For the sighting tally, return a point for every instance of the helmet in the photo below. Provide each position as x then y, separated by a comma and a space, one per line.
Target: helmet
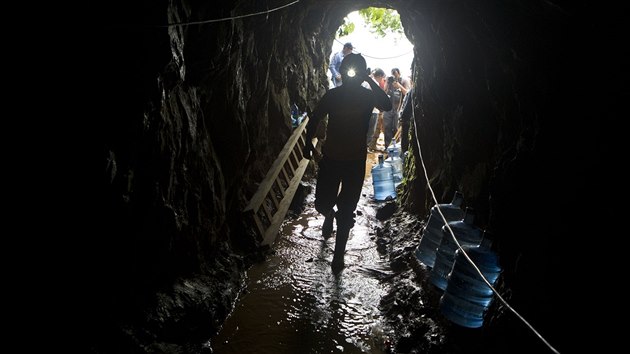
352, 69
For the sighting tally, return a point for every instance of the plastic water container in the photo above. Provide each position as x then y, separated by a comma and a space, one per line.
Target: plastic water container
466, 234
467, 296
397, 166
295, 111
393, 157
432, 233
296, 117
393, 149
383, 180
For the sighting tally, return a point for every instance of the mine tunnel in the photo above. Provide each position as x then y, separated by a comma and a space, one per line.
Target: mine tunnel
516, 105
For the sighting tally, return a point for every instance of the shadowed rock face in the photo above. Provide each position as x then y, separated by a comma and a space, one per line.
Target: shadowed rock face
514, 107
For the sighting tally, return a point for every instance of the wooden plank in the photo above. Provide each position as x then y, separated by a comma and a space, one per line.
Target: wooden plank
264, 221
274, 198
268, 212
257, 222
280, 187
278, 218
279, 174
276, 167
294, 160
287, 179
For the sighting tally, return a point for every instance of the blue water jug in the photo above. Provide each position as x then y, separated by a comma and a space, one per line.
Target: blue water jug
432, 233
397, 167
383, 180
466, 234
295, 115
467, 296
393, 149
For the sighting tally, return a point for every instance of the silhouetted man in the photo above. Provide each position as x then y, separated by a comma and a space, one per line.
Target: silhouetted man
349, 108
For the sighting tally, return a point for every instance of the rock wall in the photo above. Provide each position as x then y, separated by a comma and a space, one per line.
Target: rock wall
510, 112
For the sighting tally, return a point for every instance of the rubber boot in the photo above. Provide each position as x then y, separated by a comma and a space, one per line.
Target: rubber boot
340, 249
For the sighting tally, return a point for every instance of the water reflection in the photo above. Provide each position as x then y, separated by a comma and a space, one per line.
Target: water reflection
295, 304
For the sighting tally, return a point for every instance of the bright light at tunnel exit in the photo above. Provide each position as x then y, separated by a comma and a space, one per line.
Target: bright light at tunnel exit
399, 49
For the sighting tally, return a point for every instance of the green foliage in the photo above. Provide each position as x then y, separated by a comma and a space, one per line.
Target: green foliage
382, 21
346, 28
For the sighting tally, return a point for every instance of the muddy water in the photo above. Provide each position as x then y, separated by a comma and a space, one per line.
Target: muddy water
293, 302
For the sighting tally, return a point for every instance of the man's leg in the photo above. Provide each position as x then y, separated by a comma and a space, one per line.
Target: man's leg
341, 239
327, 226
328, 179
352, 183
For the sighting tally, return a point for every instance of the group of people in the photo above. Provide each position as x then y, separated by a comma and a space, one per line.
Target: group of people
396, 87
353, 106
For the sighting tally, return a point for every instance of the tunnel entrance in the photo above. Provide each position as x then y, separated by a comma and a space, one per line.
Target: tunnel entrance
377, 34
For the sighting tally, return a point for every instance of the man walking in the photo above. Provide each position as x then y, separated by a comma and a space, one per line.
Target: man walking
342, 167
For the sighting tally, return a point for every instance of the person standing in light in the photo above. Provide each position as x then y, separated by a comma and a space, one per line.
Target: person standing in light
372, 135
396, 88
335, 63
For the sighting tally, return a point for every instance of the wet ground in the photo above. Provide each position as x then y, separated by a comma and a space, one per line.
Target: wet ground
294, 303
380, 303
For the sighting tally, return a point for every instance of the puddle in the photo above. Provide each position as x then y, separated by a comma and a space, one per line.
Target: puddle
293, 302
